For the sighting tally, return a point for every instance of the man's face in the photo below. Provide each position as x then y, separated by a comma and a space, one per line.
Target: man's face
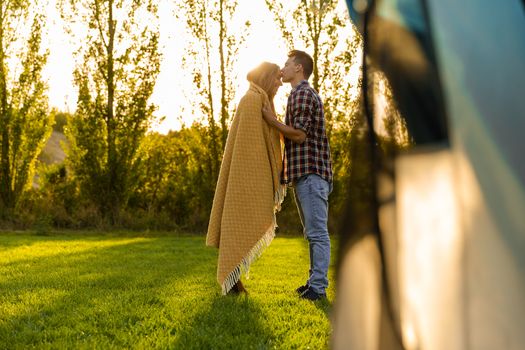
290, 70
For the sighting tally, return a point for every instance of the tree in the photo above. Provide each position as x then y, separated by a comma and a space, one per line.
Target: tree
320, 28
174, 179
211, 56
117, 67
24, 120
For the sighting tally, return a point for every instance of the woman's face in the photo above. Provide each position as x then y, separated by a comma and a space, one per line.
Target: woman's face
277, 82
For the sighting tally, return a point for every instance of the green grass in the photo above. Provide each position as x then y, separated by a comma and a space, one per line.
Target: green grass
126, 291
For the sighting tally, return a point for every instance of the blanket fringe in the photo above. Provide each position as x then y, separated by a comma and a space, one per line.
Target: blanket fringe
279, 197
258, 248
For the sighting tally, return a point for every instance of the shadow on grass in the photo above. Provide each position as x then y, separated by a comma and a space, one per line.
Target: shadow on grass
300, 261
136, 292
227, 322
108, 296
325, 306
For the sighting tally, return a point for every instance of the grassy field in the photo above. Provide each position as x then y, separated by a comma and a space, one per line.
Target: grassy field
106, 291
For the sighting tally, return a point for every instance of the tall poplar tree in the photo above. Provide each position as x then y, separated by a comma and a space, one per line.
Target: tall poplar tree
117, 67
320, 28
25, 124
211, 55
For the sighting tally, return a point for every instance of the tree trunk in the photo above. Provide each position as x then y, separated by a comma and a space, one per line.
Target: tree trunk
6, 192
316, 33
113, 189
224, 102
214, 146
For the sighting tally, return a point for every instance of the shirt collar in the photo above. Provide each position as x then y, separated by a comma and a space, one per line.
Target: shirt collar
303, 82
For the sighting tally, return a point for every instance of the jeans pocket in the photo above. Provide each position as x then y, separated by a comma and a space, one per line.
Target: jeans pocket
320, 185
303, 179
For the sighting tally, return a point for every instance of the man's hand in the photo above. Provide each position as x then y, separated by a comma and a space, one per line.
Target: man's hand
296, 135
268, 114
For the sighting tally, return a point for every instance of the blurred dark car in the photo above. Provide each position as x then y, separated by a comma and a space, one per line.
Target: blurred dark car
444, 265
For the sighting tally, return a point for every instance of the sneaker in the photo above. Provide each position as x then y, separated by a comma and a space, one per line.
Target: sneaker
310, 294
302, 289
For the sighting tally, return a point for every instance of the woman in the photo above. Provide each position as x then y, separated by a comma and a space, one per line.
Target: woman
248, 193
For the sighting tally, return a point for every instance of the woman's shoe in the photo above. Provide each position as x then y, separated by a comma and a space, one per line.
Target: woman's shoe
238, 288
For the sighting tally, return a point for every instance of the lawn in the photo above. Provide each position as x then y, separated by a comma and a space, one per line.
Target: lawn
136, 291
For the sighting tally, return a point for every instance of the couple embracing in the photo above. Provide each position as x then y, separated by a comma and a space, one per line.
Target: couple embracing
254, 175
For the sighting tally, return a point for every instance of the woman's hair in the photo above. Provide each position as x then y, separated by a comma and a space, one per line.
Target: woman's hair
264, 76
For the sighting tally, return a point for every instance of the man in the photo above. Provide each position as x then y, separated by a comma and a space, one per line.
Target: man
307, 166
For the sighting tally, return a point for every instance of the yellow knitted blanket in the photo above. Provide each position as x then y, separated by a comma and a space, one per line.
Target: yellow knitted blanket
248, 193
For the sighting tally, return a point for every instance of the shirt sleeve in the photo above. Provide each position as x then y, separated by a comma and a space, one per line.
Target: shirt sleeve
303, 111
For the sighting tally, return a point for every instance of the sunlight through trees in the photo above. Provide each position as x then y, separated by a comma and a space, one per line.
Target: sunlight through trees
119, 172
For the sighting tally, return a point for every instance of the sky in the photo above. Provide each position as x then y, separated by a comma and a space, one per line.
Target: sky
264, 44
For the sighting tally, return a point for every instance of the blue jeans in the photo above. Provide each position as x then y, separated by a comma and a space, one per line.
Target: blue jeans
311, 196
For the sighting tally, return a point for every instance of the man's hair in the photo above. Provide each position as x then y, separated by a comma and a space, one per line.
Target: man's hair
304, 59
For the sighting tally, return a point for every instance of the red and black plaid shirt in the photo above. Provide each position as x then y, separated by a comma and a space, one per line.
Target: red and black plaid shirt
305, 111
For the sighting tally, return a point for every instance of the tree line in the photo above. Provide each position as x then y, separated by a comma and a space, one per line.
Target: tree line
117, 173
